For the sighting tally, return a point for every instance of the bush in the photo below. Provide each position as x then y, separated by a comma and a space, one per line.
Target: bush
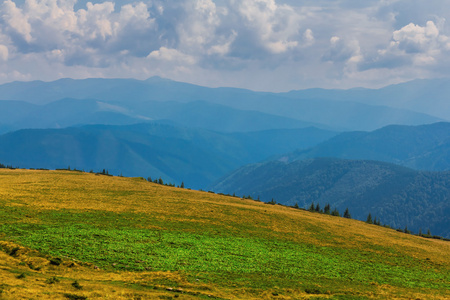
74, 297
52, 280
272, 202
335, 213
316, 291
76, 285
56, 261
13, 251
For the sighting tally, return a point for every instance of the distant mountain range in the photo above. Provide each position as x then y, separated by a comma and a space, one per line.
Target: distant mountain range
430, 96
191, 105
77, 112
183, 132
363, 181
425, 147
398, 196
196, 156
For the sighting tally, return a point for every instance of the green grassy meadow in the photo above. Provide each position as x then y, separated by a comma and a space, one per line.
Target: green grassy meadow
126, 238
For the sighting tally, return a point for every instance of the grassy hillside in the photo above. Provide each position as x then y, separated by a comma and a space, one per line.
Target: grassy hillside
126, 238
399, 196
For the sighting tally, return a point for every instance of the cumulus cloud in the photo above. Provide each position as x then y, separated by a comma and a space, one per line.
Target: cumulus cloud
16, 21
273, 27
342, 50
308, 37
171, 55
95, 22
414, 38
288, 44
49, 25
414, 45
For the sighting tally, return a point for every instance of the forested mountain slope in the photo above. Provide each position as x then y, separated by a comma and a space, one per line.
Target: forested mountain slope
196, 156
423, 147
398, 196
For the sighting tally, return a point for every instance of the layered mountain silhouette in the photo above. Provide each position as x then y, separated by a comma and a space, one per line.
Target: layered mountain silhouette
149, 99
424, 147
422, 95
195, 156
356, 170
326, 146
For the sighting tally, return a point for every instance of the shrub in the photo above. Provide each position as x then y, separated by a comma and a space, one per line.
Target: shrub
347, 214
74, 297
52, 280
76, 285
13, 251
336, 213
56, 261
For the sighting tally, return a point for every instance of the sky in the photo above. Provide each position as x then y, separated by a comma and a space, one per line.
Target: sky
263, 45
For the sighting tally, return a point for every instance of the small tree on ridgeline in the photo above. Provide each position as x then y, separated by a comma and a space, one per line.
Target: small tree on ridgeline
327, 209
312, 208
317, 207
377, 221
335, 213
406, 230
272, 202
369, 219
182, 185
347, 214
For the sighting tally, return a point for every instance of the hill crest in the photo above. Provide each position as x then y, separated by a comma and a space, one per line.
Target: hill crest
189, 242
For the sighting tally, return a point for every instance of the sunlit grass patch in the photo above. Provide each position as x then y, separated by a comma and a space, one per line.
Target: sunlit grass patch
207, 243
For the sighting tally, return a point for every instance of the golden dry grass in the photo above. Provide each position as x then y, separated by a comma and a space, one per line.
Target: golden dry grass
180, 210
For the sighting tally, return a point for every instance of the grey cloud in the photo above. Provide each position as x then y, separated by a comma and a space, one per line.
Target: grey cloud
389, 61
413, 45
341, 50
195, 40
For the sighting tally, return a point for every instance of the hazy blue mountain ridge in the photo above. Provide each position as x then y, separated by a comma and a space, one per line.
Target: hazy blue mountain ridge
430, 96
138, 96
196, 156
423, 147
77, 112
184, 132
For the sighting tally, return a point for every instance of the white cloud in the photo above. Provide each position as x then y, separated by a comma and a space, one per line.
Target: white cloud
223, 45
276, 27
4, 53
198, 28
95, 22
308, 37
342, 50
285, 44
16, 20
415, 45
171, 55
414, 38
